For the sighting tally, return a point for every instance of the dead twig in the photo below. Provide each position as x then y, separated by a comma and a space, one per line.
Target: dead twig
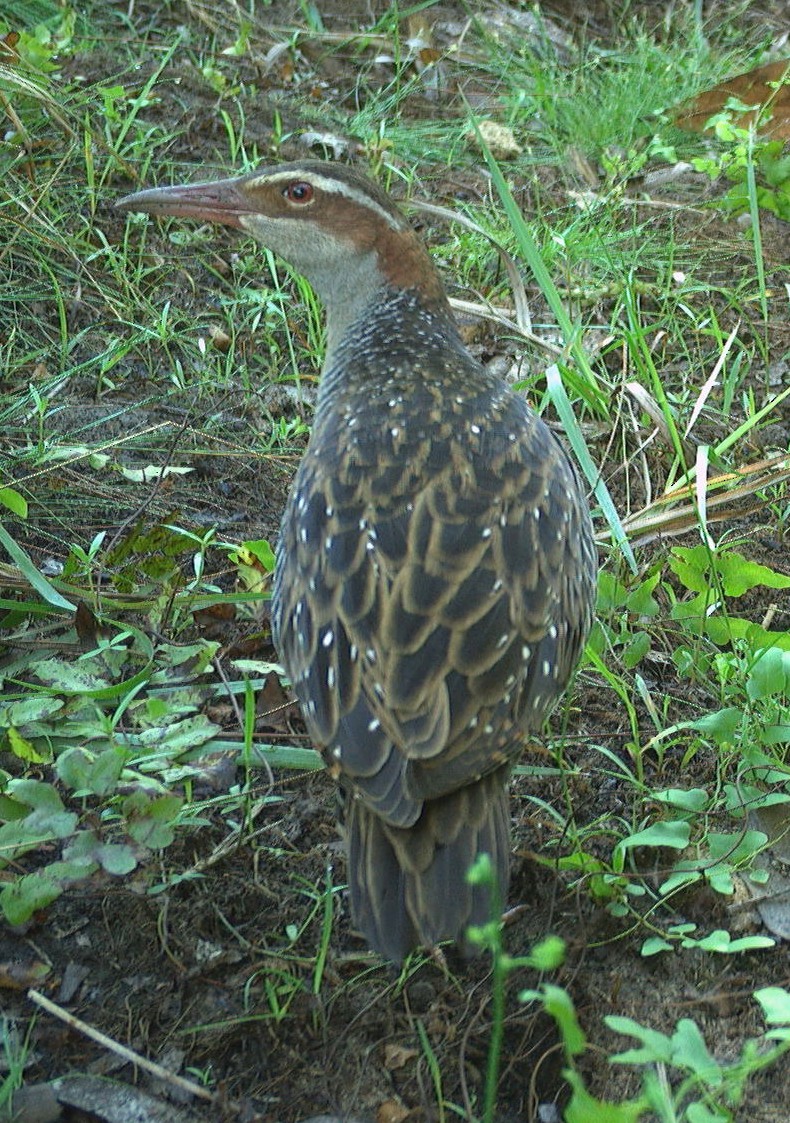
122, 1050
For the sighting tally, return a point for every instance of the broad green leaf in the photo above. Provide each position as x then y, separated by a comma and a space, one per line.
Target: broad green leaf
261, 550
722, 725
549, 954
656, 1047
179, 737
199, 654
27, 894
116, 858
24, 750
690, 565
84, 771
687, 873
724, 631
735, 847
36, 794
739, 574
612, 594
38, 707
769, 674
690, 1052
743, 795
12, 809
720, 941
68, 678
776, 735
150, 821
79, 678
694, 614
71, 869
635, 649
82, 846
674, 833
689, 799
653, 946
641, 600
775, 1003
559, 1004
584, 1108
698, 1113
20, 835
16, 503
720, 880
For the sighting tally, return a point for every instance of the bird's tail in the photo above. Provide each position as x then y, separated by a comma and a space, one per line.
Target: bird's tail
408, 885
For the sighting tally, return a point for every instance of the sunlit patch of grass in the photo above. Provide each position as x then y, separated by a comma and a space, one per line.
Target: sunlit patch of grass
609, 95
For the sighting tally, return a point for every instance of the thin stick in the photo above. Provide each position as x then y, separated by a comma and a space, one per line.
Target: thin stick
121, 1050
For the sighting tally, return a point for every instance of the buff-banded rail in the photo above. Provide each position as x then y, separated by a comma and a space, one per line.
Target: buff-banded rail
436, 569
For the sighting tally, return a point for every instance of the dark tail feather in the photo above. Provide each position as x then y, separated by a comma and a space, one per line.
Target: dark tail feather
408, 885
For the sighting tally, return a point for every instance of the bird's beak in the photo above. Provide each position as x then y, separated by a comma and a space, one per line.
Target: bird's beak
223, 201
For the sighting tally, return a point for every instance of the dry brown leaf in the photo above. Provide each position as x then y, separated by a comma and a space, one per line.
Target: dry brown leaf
396, 1056
766, 89
8, 52
391, 1111
499, 139
214, 620
273, 706
19, 976
220, 340
773, 898
86, 626
420, 37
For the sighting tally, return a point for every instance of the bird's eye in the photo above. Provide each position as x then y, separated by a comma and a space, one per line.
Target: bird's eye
299, 192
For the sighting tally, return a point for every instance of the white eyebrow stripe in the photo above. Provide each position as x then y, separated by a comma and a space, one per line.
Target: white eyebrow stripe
331, 187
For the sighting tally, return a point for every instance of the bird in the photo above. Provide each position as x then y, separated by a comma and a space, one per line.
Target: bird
435, 570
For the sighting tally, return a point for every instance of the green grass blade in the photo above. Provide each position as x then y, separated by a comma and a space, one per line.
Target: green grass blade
594, 396
32, 575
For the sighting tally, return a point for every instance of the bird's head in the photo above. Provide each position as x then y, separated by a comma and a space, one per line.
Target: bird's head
333, 224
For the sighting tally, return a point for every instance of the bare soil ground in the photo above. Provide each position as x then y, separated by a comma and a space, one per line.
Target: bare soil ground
206, 977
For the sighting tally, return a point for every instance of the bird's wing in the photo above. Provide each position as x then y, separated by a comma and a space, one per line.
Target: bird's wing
424, 612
